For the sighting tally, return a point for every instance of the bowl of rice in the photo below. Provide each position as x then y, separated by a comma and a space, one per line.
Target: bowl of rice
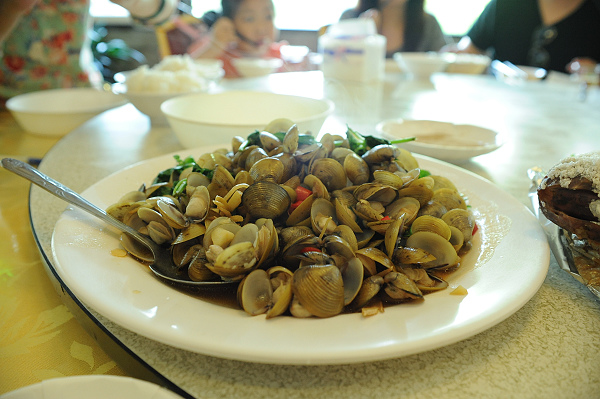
148, 87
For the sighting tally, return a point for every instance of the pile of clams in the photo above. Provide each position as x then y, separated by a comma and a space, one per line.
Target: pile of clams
308, 228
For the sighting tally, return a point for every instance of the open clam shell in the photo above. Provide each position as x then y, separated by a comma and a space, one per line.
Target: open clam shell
444, 252
320, 289
265, 199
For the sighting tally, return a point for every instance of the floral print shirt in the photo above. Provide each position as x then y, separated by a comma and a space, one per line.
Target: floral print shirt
48, 49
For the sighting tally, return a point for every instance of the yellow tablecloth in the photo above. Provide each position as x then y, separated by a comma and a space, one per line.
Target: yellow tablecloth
39, 337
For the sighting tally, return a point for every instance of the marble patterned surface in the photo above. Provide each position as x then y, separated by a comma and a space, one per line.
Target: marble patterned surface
549, 348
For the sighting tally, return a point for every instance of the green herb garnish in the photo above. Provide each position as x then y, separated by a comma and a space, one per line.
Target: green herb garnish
171, 175
303, 139
253, 139
179, 187
424, 173
361, 144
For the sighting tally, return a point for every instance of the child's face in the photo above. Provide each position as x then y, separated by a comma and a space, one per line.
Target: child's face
254, 23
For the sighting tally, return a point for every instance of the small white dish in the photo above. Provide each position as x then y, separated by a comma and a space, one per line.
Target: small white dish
421, 65
441, 140
55, 112
474, 64
91, 387
253, 67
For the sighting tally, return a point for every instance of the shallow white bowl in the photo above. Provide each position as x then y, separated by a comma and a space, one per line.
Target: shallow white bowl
252, 67
441, 140
204, 119
467, 63
56, 112
94, 386
421, 65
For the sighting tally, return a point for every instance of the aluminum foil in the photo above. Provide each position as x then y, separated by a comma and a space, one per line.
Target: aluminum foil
556, 237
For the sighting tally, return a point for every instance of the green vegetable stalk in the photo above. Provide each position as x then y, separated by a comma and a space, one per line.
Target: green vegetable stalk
361, 144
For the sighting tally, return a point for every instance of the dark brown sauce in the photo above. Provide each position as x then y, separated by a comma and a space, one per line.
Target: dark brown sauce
226, 295
221, 295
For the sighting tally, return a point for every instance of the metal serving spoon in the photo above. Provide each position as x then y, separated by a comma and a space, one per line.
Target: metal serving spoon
162, 266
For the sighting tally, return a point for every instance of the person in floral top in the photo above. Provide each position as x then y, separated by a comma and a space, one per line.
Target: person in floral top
45, 43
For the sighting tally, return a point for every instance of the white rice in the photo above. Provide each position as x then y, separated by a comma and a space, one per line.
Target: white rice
174, 74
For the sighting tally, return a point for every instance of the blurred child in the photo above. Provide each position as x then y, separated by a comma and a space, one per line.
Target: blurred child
245, 28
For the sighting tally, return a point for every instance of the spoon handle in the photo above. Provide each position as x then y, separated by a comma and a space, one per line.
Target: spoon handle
65, 193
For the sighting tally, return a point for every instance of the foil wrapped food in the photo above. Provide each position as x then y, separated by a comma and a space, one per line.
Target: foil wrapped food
573, 254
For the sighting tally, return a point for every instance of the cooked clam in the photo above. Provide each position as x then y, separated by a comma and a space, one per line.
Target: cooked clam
462, 220
255, 293
436, 245
323, 217
432, 224
330, 172
264, 199
233, 261
281, 283
356, 169
399, 287
449, 198
267, 169
320, 289
351, 232
368, 290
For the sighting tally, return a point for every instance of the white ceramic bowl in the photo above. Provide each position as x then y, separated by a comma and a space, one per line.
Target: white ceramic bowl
56, 112
467, 63
148, 103
147, 97
253, 67
204, 119
421, 65
441, 140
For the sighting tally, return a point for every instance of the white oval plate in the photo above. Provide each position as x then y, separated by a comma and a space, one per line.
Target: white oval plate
441, 140
505, 268
91, 387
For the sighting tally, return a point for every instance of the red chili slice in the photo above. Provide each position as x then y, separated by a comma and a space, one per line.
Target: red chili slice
294, 206
302, 193
310, 249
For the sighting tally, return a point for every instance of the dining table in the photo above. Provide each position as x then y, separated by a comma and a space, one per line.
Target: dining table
549, 346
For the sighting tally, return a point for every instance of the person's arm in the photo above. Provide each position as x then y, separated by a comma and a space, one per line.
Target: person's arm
11, 12
480, 36
464, 46
149, 12
348, 14
222, 38
434, 38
